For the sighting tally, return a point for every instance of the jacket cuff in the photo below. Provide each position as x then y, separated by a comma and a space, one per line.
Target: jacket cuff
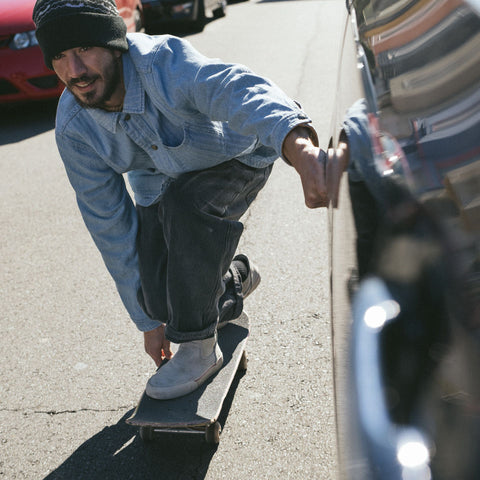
146, 324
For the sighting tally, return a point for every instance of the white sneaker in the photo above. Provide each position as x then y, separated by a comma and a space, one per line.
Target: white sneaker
193, 363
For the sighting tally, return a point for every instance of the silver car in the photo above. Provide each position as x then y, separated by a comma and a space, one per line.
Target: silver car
405, 241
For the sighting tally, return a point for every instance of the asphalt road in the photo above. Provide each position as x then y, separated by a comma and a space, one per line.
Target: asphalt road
73, 365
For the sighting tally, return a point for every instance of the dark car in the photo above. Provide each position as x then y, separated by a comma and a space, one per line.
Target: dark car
405, 238
23, 74
162, 15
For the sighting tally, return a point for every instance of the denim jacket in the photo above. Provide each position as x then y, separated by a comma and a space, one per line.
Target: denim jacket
182, 112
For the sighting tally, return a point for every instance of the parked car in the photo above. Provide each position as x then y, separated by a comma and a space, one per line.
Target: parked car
23, 75
405, 238
161, 15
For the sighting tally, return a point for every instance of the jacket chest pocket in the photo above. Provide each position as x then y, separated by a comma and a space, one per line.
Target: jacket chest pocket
200, 146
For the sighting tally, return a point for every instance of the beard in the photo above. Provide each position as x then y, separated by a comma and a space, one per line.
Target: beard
112, 78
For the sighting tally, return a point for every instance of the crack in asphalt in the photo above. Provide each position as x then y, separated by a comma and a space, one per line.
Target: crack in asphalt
65, 412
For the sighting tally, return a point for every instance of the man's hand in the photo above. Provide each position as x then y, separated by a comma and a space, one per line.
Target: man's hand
337, 163
320, 171
156, 345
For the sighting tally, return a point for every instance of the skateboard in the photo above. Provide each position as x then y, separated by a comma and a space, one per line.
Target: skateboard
197, 412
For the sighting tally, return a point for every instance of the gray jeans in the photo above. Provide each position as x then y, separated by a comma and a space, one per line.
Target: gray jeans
186, 243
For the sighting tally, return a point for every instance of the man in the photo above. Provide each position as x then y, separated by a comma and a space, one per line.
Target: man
198, 139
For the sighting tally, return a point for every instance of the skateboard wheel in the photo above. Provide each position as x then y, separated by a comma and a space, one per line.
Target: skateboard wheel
146, 434
212, 433
243, 362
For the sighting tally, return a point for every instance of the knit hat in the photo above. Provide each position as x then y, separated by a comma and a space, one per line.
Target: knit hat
65, 24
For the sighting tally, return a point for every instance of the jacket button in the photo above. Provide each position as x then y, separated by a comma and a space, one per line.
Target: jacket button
127, 116
154, 147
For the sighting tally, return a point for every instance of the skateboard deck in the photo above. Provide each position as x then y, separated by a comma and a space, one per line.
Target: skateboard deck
198, 411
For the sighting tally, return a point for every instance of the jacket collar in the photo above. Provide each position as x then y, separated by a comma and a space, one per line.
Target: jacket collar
134, 101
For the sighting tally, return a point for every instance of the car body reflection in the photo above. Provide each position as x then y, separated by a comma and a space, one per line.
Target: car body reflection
407, 232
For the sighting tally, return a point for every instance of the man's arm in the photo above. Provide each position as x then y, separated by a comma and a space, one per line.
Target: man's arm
224, 92
110, 217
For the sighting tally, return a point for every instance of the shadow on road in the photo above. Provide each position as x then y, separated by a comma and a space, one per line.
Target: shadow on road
19, 122
118, 453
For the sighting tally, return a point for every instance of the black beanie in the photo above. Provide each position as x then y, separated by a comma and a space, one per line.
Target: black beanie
65, 24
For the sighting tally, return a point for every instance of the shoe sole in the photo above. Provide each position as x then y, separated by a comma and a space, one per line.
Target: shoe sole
256, 278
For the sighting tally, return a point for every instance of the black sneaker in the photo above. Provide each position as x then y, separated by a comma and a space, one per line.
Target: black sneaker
249, 284
253, 275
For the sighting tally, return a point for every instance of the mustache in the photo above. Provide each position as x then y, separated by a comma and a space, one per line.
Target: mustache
83, 79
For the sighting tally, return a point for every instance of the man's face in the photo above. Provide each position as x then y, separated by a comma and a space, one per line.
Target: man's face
93, 75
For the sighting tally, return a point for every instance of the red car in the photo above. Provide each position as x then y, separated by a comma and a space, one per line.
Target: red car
23, 75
